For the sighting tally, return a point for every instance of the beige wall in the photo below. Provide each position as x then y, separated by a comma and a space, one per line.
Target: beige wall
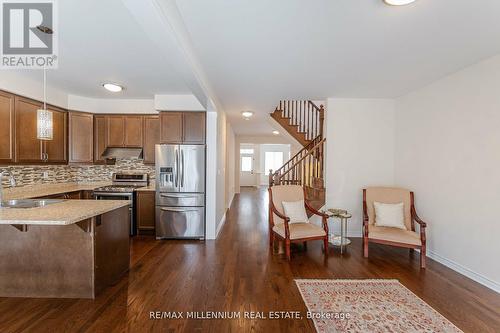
230, 164
448, 152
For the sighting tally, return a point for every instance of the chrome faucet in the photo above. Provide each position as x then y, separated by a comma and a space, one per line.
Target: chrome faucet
11, 179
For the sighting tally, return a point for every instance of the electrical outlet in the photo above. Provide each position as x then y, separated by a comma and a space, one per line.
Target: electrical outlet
45, 175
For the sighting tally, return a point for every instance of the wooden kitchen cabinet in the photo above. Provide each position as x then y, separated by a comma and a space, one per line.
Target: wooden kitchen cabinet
100, 135
115, 131
182, 127
193, 127
171, 127
6, 128
133, 131
81, 137
145, 212
28, 147
56, 149
151, 138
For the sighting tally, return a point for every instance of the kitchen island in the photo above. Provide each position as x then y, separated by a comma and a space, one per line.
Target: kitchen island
67, 249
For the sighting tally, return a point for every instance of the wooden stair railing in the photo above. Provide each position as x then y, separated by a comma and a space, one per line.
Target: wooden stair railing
302, 169
301, 119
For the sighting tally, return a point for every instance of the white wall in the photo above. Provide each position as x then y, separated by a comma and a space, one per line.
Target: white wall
448, 152
230, 164
359, 153
111, 105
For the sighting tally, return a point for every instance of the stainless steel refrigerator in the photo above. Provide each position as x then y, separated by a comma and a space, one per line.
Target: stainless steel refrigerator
180, 191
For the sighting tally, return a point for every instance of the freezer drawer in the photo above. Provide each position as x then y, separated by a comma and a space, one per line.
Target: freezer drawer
180, 199
180, 222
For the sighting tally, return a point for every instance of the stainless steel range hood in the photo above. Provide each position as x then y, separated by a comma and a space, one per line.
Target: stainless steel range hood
122, 153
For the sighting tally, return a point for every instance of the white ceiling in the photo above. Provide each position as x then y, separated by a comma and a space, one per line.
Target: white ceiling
100, 41
256, 52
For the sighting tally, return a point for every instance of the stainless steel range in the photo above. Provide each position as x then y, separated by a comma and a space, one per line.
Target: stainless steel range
123, 188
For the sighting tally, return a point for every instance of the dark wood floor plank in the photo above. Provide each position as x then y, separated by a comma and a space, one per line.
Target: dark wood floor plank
239, 272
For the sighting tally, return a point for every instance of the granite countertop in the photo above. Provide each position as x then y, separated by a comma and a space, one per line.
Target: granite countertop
151, 187
62, 213
42, 190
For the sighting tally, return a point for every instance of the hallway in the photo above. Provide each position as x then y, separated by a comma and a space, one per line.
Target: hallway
238, 272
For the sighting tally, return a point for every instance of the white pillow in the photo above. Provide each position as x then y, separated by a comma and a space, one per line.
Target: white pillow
296, 211
389, 215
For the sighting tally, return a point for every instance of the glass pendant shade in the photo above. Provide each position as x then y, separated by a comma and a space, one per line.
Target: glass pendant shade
44, 124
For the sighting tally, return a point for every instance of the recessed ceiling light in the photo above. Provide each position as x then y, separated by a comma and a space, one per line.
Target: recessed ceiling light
398, 2
247, 114
276, 133
112, 87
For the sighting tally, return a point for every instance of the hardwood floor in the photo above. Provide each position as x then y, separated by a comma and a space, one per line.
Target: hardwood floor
238, 272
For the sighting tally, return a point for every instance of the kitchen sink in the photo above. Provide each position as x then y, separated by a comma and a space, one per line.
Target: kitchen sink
29, 203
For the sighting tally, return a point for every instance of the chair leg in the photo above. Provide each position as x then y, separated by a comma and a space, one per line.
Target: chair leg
287, 249
422, 256
365, 247
271, 238
305, 245
325, 245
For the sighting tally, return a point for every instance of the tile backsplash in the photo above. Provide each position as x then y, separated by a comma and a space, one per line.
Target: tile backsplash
33, 174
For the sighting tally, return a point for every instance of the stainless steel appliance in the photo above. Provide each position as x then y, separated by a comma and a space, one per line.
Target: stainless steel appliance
123, 188
180, 191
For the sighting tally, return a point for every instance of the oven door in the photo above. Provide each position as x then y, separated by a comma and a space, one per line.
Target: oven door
121, 196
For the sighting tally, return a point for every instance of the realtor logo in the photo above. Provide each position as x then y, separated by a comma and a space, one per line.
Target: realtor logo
29, 34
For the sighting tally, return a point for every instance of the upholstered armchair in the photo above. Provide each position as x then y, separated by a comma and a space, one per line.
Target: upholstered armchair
280, 226
408, 238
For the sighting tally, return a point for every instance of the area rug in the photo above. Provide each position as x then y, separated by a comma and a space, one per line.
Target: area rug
369, 306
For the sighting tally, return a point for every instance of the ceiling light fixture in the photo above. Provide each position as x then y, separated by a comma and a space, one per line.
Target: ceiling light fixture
398, 2
247, 114
276, 132
112, 87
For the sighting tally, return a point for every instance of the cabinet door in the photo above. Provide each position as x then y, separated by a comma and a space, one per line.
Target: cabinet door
6, 128
116, 131
56, 149
194, 127
133, 131
81, 132
151, 138
171, 127
100, 135
28, 147
145, 210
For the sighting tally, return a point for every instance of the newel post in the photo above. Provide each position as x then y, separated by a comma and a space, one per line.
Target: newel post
271, 180
321, 119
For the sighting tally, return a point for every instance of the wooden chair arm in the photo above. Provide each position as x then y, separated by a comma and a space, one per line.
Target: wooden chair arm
416, 218
284, 218
314, 211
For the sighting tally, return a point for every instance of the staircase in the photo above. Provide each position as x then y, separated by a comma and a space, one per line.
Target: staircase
303, 120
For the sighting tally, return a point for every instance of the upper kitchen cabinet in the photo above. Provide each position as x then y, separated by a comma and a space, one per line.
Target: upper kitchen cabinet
81, 132
56, 150
28, 147
124, 131
182, 127
134, 131
194, 127
100, 136
151, 137
6, 128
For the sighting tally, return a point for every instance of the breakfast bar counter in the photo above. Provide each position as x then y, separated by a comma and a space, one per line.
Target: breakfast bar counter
66, 249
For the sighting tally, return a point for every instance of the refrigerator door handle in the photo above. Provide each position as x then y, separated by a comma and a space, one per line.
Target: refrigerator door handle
177, 196
176, 168
182, 161
178, 210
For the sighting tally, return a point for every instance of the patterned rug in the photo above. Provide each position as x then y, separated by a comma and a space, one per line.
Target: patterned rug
369, 306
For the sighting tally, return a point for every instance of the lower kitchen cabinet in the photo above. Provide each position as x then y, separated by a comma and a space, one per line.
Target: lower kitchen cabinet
145, 212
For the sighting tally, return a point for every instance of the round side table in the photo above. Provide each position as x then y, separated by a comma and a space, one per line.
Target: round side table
341, 240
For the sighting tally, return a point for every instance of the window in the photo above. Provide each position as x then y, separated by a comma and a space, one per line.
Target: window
246, 163
273, 160
248, 151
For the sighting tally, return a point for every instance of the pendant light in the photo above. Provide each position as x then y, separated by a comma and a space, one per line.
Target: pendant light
44, 121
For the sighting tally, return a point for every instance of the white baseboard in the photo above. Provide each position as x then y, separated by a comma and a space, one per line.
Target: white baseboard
221, 224
495, 286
